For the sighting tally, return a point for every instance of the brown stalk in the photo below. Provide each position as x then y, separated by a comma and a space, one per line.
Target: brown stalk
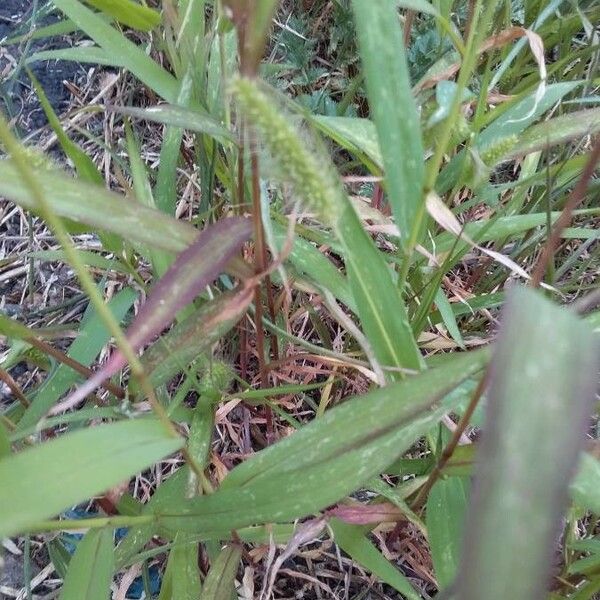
243, 325
61, 357
452, 444
408, 21
576, 197
14, 387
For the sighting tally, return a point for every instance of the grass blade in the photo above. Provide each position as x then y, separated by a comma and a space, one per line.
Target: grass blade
92, 337
193, 269
333, 455
543, 380
352, 541
178, 116
220, 581
394, 110
75, 467
446, 509
90, 570
95, 206
134, 15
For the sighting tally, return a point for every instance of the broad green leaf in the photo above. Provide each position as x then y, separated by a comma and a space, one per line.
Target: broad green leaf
90, 570
75, 467
220, 581
544, 375
446, 509
92, 337
500, 228
316, 268
128, 13
132, 57
351, 539
95, 206
393, 107
509, 121
178, 116
333, 455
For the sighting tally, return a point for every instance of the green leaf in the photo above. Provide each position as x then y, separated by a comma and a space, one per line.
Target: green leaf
542, 387
193, 269
506, 121
446, 509
585, 487
559, 130
86, 169
75, 467
131, 57
220, 581
351, 539
129, 13
5, 448
333, 455
182, 576
393, 108
99, 208
92, 337
358, 136
90, 570
172, 352
178, 116
81, 54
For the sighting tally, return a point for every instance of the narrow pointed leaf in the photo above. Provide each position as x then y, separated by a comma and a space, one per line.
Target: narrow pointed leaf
393, 107
178, 116
173, 351
193, 269
90, 570
182, 576
446, 509
128, 13
220, 581
92, 337
75, 467
93, 205
544, 375
333, 456
351, 539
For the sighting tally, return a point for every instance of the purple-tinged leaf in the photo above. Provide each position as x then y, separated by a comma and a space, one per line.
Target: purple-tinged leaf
193, 269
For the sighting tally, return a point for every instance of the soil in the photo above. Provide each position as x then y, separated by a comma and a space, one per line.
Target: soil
16, 96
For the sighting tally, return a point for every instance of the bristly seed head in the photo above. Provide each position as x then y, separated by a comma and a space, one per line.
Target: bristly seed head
311, 176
